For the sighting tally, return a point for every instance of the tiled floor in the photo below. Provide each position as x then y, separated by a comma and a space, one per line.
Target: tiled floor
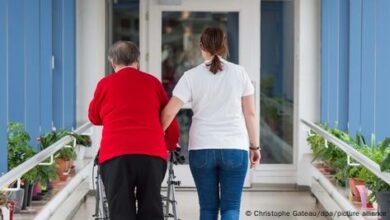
188, 208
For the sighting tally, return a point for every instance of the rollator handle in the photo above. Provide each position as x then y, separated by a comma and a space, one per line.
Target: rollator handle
176, 157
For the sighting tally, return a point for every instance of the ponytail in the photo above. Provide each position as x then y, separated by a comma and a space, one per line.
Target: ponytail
215, 65
213, 40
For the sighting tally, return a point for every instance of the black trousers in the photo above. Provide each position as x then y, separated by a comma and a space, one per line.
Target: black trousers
133, 187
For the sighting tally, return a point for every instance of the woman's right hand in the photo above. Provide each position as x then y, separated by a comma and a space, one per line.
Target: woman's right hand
254, 157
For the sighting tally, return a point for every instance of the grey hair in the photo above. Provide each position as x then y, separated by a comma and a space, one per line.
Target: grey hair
123, 53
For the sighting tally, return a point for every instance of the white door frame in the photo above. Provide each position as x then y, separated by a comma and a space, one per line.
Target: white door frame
249, 58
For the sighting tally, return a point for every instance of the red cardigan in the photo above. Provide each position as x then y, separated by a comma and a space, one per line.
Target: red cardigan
128, 105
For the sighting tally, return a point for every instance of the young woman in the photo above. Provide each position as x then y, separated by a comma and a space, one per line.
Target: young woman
222, 99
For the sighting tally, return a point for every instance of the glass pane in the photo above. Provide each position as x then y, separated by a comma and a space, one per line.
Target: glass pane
180, 51
277, 81
180, 41
125, 19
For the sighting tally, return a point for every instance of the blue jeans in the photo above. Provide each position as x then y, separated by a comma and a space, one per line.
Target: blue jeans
219, 176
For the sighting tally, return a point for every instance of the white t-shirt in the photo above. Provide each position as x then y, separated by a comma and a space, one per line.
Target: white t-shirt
218, 121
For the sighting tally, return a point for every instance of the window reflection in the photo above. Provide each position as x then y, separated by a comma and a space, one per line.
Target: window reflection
277, 81
125, 20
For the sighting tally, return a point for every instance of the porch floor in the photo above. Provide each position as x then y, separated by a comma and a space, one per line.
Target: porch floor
264, 201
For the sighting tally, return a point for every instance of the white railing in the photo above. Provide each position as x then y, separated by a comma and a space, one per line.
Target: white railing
350, 151
17, 172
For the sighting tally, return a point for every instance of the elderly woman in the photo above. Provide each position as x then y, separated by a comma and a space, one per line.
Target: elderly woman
133, 149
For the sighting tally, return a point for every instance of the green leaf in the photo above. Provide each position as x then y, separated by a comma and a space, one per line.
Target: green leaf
385, 164
84, 140
18, 146
385, 145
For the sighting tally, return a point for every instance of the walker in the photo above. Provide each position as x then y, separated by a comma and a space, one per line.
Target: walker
168, 200
101, 207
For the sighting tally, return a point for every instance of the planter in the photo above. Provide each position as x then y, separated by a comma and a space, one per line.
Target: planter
342, 183
354, 192
363, 192
4, 213
28, 190
383, 199
7, 211
36, 191
328, 168
71, 167
80, 152
49, 185
63, 168
16, 196
30, 194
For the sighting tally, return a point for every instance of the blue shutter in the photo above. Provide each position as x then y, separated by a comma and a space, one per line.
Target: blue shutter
325, 62
3, 88
69, 63
32, 68
46, 90
64, 71
334, 58
355, 71
16, 59
382, 117
368, 67
343, 67
333, 70
57, 71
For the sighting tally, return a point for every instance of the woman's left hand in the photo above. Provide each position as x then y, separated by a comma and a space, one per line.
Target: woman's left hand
254, 157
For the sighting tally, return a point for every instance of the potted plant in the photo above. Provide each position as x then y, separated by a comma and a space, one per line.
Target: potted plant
46, 174
347, 175
64, 156
19, 151
332, 157
317, 145
382, 196
82, 141
381, 188
29, 179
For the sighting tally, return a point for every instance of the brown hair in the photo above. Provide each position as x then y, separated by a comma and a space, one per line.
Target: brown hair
213, 40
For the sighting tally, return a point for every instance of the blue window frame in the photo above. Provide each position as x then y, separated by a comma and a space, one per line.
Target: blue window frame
3, 87
355, 79
31, 91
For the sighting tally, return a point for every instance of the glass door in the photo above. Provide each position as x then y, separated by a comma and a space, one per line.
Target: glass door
174, 29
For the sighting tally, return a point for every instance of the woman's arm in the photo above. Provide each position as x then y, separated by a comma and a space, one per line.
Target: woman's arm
249, 110
169, 112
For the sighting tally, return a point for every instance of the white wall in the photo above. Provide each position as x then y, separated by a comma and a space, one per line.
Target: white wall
91, 45
91, 58
307, 81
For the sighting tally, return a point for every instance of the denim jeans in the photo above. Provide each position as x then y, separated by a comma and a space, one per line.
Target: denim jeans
219, 176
